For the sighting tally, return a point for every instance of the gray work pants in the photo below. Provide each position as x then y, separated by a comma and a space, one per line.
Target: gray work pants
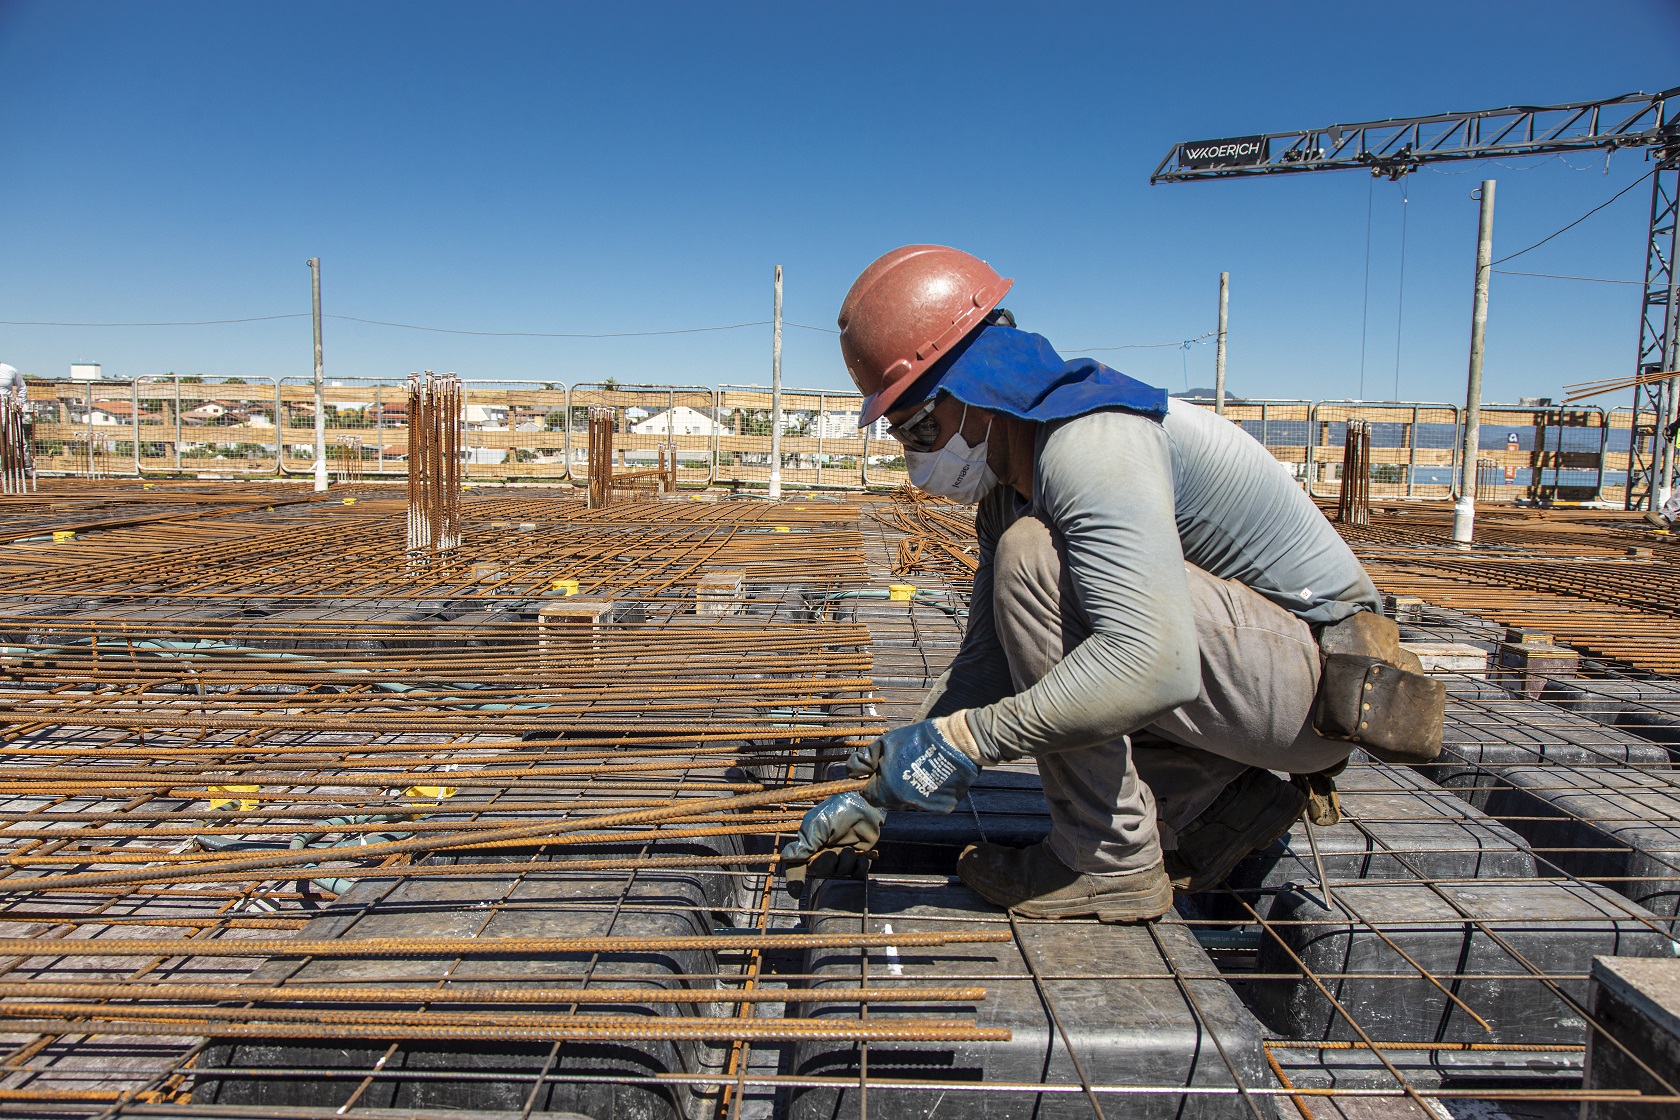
1113, 806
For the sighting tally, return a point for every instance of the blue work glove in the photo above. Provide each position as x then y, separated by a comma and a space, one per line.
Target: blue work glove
915, 767
844, 822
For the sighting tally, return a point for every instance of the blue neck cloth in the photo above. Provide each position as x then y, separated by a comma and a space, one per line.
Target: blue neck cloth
1019, 374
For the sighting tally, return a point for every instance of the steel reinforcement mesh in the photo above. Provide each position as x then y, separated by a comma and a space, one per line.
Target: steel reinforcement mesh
295, 827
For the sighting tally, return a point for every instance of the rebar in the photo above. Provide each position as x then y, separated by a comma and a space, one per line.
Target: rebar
1353, 502
434, 465
15, 456
601, 423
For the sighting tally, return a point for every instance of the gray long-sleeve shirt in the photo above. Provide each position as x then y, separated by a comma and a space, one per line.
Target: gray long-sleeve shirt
1132, 499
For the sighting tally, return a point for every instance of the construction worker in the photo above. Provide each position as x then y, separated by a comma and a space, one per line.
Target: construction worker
1145, 621
12, 386
17, 424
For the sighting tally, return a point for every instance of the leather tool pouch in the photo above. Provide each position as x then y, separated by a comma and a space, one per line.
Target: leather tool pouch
1395, 714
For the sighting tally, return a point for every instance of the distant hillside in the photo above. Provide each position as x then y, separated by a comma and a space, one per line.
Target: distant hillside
1207, 392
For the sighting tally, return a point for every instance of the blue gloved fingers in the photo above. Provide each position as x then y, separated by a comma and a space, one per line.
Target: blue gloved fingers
838, 863
845, 820
920, 769
864, 761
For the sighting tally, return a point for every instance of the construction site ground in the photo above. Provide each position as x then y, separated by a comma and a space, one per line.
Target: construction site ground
297, 822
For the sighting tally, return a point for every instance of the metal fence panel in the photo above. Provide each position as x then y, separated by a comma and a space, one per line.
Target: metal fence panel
518, 431
222, 427
1541, 452
1414, 448
84, 428
821, 444
1280, 425
366, 423
650, 418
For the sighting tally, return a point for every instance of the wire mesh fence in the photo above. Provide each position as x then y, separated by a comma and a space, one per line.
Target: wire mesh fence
534, 431
821, 444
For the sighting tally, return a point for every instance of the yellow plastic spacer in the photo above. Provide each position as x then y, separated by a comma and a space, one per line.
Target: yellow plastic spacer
243, 804
433, 793
901, 592
781, 529
349, 501
801, 509
62, 535
568, 585
145, 486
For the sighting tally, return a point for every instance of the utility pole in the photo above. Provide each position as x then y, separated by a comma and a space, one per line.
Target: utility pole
776, 393
320, 396
1219, 347
1464, 512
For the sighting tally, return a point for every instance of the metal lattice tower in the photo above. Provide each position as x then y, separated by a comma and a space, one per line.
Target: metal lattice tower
1650, 456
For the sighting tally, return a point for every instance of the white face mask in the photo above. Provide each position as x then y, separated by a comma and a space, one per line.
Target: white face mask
956, 471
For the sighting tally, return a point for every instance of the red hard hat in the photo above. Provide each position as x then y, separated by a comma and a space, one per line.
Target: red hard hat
905, 312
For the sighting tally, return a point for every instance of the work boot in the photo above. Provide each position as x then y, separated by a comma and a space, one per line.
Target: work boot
1248, 815
1035, 884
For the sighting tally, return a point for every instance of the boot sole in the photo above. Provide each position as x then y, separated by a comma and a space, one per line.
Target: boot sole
1132, 906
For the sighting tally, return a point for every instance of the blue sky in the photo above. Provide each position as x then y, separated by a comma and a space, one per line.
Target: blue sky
642, 167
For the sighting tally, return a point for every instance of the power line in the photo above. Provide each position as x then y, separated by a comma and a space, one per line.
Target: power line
1581, 219
194, 323
546, 334
1183, 342
417, 326
1557, 276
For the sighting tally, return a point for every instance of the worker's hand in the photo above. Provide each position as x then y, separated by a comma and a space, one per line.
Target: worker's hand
917, 767
846, 824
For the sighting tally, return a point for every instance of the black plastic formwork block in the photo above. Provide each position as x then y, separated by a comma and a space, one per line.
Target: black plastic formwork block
547, 901
1005, 806
1142, 1006
1649, 709
1459, 933
1609, 823
1396, 826
1483, 736
259, 634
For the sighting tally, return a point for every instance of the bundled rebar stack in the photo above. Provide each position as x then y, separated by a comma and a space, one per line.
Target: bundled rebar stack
1353, 506
15, 464
352, 469
434, 463
600, 456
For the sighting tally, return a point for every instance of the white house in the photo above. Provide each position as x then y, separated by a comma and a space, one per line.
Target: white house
204, 413
106, 414
485, 417
679, 421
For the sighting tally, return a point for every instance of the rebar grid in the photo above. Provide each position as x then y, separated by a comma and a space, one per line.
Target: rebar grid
189, 790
